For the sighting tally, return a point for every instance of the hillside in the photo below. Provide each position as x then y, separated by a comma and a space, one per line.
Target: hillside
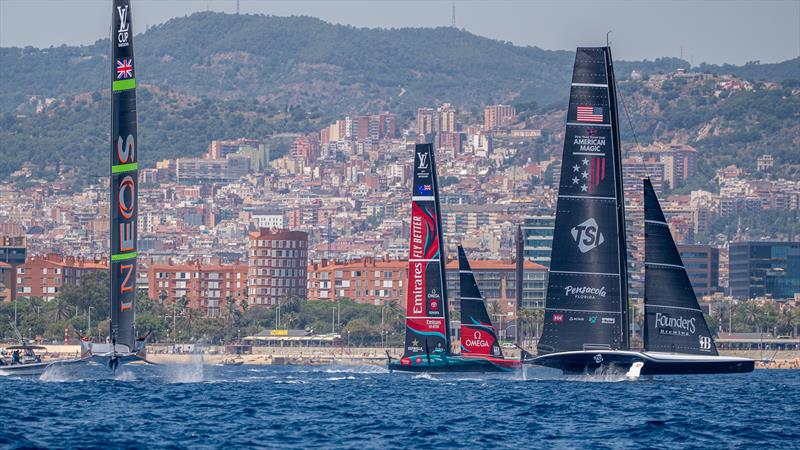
301, 61
213, 76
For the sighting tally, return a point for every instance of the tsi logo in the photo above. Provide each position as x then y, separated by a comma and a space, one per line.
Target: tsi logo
587, 235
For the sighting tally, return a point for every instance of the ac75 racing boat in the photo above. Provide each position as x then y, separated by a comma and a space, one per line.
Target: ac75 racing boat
428, 342
586, 322
124, 171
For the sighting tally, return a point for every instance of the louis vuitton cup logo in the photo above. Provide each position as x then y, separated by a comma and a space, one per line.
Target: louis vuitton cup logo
423, 160
588, 236
124, 26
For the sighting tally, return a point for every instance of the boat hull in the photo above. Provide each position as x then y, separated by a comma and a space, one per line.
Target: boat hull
455, 364
33, 369
582, 362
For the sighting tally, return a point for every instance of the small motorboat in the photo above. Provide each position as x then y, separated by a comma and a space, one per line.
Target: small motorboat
27, 360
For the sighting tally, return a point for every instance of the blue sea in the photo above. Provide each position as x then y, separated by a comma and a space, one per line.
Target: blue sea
197, 406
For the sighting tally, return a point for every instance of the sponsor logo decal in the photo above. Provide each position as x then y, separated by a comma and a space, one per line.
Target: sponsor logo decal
124, 26
477, 340
558, 318
598, 358
590, 142
676, 326
418, 288
608, 320
423, 160
592, 319
705, 343
124, 68
414, 347
576, 319
585, 292
588, 235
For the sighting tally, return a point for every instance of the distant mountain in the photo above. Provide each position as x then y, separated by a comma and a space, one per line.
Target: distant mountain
301, 61
215, 76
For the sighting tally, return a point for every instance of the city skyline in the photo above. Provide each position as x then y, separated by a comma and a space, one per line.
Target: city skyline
711, 32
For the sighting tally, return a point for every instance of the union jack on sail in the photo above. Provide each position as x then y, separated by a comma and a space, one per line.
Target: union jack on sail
124, 68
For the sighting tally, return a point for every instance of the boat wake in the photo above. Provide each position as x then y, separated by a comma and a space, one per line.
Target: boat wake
188, 372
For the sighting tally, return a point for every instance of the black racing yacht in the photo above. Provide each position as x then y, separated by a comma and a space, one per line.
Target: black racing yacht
586, 321
123, 345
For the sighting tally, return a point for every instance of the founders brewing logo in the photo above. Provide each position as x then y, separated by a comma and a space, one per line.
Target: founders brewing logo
588, 236
675, 326
124, 26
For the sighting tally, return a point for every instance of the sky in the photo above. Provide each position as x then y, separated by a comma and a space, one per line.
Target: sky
702, 31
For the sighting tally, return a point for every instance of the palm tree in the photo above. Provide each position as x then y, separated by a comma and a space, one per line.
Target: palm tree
526, 318
59, 309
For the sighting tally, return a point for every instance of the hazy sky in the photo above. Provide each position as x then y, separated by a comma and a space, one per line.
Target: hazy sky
710, 31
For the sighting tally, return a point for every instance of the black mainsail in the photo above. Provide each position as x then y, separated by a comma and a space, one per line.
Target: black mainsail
478, 336
124, 180
427, 321
587, 295
586, 318
673, 320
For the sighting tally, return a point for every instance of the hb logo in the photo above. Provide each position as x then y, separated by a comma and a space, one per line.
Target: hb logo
705, 343
587, 235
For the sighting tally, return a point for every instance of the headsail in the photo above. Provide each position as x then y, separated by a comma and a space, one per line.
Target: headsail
427, 319
124, 179
478, 336
673, 320
586, 306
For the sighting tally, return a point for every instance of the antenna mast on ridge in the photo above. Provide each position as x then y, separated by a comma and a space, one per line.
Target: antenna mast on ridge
453, 18
237, 7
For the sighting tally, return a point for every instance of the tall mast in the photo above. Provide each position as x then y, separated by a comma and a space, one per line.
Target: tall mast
124, 179
587, 294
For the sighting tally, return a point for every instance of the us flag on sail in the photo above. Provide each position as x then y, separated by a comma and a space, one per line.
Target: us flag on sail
590, 114
597, 172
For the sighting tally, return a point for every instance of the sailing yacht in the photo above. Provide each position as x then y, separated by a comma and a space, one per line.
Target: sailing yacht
123, 345
586, 322
428, 344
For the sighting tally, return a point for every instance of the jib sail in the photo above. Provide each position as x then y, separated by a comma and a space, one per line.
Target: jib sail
478, 336
673, 320
586, 305
427, 321
124, 178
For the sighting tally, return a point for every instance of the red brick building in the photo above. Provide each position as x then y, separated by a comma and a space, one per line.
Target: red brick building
43, 276
277, 263
366, 281
206, 286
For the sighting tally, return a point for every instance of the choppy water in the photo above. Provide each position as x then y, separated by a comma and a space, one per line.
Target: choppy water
367, 407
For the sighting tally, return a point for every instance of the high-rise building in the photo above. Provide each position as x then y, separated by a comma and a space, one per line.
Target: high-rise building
496, 116
764, 268
12, 255
305, 148
447, 118
537, 232
702, 266
369, 281
206, 287
425, 122
277, 263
